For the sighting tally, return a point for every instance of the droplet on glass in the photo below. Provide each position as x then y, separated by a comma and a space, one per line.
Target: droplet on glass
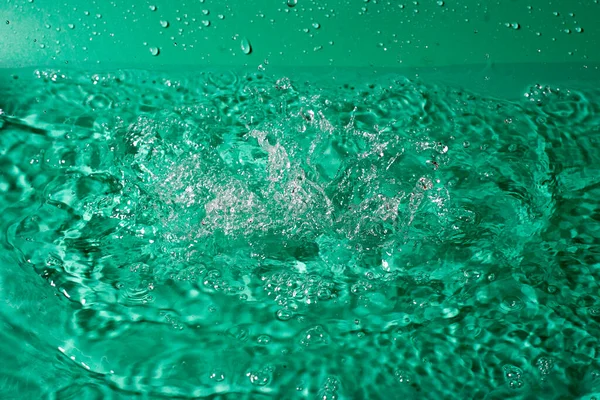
246, 46
152, 7
154, 51
164, 23
292, 3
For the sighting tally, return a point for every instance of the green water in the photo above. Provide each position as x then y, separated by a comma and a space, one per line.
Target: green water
264, 235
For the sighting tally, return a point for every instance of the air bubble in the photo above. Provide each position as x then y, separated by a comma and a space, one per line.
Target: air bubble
260, 378
316, 25
579, 29
246, 46
292, 3
440, 3
217, 375
164, 23
512, 303
71, 26
284, 315
515, 26
154, 51
206, 23
152, 7
263, 339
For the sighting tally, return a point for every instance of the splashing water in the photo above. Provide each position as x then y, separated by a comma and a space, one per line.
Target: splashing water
250, 235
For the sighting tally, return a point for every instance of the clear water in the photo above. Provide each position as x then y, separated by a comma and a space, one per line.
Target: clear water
252, 235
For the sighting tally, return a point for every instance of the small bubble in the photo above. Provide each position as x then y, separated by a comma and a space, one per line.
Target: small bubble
206, 23
246, 46
7, 22
316, 25
205, 12
512, 303
516, 383
440, 3
71, 26
259, 378
217, 375
567, 30
515, 26
579, 29
164, 23
292, 3
263, 339
220, 16
594, 311
152, 7
402, 376
284, 315
154, 51
556, 13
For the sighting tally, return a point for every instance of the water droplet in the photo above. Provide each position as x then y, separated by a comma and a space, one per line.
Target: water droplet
567, 30
7, 22
316, 25
246, 46
206, 23
515, 26
152, 7
71, 26
556, 13
205, 12
292, 3
440, 3
154, 51
220, 16
579, 29
164, 23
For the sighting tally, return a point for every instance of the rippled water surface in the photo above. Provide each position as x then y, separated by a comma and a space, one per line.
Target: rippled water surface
253, 235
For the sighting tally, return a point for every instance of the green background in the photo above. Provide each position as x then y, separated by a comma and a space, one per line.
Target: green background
354, 33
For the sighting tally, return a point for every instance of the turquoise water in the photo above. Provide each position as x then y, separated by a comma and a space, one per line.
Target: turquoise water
260, 235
